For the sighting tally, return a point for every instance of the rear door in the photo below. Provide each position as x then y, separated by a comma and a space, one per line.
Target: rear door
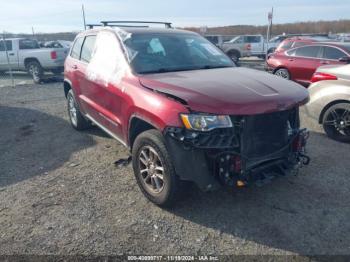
75, 69
303, 62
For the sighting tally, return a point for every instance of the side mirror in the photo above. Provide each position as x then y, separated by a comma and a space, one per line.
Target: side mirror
345, 59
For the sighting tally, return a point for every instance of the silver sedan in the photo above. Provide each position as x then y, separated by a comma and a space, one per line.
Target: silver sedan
330, 100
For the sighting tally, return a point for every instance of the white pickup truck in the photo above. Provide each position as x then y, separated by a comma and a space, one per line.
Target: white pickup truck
22, 54
249, 45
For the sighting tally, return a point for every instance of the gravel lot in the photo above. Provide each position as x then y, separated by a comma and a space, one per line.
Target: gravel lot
62, 194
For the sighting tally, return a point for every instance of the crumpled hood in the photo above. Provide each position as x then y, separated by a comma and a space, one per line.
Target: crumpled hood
234, 91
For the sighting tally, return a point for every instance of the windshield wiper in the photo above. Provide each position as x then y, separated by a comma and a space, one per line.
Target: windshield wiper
213, 67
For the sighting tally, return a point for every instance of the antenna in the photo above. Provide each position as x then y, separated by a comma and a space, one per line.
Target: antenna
83, 11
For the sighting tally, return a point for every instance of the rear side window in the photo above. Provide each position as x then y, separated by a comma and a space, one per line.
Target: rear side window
77, 48
28, 44
332, 53
8, 46
213, 39
308, 51
88, 48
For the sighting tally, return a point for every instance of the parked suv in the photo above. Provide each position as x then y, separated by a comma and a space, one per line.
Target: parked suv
184, 110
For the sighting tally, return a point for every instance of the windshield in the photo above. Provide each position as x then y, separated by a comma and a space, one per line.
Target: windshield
157, 53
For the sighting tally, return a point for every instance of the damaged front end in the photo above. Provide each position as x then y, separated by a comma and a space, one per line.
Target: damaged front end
255, 149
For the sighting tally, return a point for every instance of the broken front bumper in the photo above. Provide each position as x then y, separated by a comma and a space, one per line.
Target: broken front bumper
255, 150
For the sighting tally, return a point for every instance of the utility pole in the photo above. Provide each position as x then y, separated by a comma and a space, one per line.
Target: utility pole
33, 32
269, 27
83, 10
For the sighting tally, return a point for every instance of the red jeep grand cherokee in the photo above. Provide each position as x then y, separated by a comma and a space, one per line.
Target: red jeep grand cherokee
183, 108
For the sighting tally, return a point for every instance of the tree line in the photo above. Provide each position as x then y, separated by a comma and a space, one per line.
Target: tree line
339, 26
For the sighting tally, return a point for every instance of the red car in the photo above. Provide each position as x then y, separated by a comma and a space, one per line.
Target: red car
293, 42
299, 64
183, 108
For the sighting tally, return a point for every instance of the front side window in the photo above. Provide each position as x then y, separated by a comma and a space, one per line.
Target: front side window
157, 53
28, 44
8, 45
252, 39
108, 63
88, 47
332, 53
237, 40
306, 51
75, 53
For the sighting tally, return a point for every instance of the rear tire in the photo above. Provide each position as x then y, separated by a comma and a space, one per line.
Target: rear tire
336, 122
153, 169
282, 72
76, 119
35, 70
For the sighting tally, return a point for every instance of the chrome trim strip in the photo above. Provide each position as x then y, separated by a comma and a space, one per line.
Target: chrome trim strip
106, 130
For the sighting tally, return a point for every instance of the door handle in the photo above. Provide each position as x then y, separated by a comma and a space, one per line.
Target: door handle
11, 54
291, 59
324, 62
75, 67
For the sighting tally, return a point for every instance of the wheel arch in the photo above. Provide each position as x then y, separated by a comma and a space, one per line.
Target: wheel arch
234, 51
67, 85
338, 101
27, 60
281, 67
137, 125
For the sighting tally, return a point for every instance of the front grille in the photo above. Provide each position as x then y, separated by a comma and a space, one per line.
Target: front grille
266, 134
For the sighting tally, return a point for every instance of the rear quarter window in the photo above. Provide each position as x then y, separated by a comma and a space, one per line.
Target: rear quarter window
332, 53
75, 53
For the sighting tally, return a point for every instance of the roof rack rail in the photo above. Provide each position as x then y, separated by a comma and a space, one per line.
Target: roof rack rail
117, 23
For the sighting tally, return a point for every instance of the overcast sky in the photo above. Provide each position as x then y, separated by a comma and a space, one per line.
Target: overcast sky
65, 15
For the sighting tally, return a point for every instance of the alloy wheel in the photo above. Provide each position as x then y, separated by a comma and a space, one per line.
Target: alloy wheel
282, 73
34, 71
72, 110
339, 120
151, 170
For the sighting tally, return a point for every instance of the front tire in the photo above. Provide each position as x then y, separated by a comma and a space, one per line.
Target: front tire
36, 71
153, 169
282, 72
336, 122
234, 56
76, 118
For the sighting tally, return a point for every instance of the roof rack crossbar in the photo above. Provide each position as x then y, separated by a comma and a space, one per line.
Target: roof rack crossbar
111, 23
